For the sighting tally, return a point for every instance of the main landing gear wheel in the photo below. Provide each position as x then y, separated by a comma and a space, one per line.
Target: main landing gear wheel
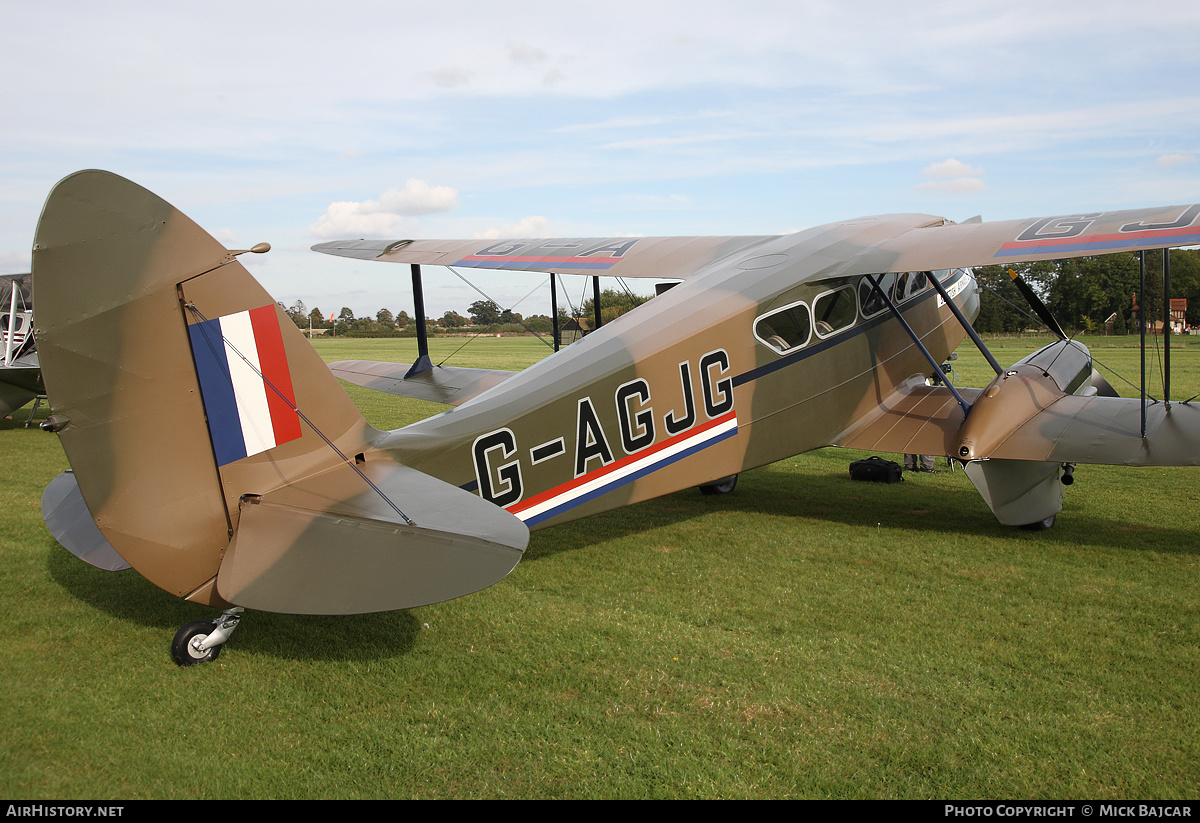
201, 640
723, 486
186, 647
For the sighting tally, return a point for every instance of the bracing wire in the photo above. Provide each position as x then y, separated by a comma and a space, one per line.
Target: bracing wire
509, 309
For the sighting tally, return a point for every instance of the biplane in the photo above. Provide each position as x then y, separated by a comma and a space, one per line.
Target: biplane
216, 453
20, 371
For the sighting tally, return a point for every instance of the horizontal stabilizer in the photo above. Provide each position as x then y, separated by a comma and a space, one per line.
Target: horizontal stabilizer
13, 397
24, 371
452, 385
332, 544
68, 519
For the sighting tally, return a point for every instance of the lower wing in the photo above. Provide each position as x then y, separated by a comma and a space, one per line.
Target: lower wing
921, 419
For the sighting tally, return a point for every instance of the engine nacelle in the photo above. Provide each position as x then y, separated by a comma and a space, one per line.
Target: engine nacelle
1018, 393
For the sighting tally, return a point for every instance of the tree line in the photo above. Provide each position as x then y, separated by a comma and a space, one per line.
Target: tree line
483, 316
1083, 292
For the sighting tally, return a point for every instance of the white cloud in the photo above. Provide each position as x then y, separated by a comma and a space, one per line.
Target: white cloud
1166, 161
387, 215
345, 220
950, 168
958, 185
952, 177
532, 226
417, 197
449, 77
524, 54
14, 262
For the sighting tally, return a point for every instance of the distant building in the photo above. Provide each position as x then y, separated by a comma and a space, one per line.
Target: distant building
574, 329
1178, 316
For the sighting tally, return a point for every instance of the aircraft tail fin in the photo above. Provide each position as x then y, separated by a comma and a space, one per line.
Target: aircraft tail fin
183, 394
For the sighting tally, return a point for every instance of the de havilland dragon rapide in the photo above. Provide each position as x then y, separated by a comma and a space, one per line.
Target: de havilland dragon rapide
213, 451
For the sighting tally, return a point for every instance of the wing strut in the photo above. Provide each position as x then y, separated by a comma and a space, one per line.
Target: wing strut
1142, 330
937, 367
963, 321
12, 326
423, 363
554, 310
596, 298
1166, 321
1167, 327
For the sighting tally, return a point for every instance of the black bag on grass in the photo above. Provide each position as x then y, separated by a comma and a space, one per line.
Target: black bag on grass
876, 469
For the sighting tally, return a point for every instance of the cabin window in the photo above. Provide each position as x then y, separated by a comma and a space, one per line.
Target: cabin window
870, 300
835, 310
910, 284
785, 329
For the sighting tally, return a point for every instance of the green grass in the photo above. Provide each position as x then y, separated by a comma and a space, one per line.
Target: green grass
804, 637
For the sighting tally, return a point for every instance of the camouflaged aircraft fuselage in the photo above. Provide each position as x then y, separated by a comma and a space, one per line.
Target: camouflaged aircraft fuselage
684, 390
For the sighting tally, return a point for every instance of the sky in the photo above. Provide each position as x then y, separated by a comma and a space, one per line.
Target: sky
299, 122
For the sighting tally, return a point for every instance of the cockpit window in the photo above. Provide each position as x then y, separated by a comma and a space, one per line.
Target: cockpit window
910, 284
786, 329
834, 311
870, 300
898, 286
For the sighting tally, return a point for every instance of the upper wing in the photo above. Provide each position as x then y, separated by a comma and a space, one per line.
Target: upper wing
935, 246
1046, 238
659, 257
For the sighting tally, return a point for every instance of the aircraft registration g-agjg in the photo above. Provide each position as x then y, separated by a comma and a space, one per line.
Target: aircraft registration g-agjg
219, 456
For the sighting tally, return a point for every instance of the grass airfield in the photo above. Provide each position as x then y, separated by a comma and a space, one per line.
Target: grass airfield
806, 636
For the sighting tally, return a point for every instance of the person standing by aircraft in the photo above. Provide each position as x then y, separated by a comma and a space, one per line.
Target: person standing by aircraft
923, 463
920, 463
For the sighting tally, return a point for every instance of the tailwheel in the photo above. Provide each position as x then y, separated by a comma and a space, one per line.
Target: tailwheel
187, 649
202, 640
723, 486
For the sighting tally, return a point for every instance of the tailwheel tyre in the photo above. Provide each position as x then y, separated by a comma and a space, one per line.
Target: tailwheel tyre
723, 486
184, 649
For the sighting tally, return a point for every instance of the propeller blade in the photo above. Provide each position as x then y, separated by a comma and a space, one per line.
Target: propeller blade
1035, 303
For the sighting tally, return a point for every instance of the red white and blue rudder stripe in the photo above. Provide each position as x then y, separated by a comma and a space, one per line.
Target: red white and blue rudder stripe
245, 382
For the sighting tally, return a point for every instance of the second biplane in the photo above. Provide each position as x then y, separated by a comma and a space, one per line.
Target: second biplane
20, 372
219, 456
